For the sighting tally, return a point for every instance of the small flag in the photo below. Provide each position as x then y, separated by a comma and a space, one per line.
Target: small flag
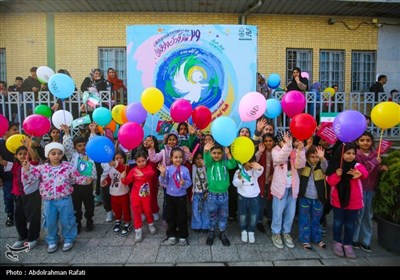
243, 173
80, 121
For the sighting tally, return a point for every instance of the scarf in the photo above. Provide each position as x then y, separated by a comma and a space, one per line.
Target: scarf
177, 176
117, 83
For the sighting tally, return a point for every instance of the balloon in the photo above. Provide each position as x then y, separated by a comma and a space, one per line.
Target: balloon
224, 130
274, 108
330, 90
101, 116
43, 110
136, 113
123, 115
152, 100
130, 135
180, 110
36, 125
201, 116
303, 126
349, 125
61, 85
100, 149
14, 142
305, 75
274, 80
252, 105
293, 103
62, 117
116, 113
3, 125
386, 115
44, 73
242, 149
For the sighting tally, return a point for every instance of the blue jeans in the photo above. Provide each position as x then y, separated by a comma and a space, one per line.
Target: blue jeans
248, 210
200, 220
59, 210
8, 197
363, 230
283, 211
218, 210
310, 212
344, 219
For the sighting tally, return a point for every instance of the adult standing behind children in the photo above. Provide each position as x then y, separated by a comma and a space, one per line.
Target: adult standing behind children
297, 82
378, 86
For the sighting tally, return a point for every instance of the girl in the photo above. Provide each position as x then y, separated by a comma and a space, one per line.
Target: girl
56, 179
141, 176
344, 177
176, 179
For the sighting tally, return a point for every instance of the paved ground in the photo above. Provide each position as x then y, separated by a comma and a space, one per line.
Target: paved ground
102, 248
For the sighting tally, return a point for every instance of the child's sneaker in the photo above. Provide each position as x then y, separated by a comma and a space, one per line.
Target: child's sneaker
288, 240
138, 235
365, 248
67, 246
224, 239
349, 252
171, 240
277, 240
32, 244
117, 227
338, 249
126, 230
252, 238
109, 216
182, 241
18, 244
52, 248
243, 236
210, 237
152, 229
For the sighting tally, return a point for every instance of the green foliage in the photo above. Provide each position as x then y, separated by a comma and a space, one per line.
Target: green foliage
387, 198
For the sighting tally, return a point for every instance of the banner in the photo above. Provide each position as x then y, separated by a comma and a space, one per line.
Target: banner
210, 65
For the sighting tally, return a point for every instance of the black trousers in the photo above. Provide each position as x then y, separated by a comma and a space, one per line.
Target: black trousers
27, 210
177, 216
83, 194
233, 196
105, 193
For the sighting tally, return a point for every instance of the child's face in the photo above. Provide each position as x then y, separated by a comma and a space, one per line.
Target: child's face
119, 158
146, 142
183, 130
268, 129
216, 154
364, 142
349, 155
244, 132
80, 147
177, 158
141, 162
12, 131
55, 156
198, 160
313, 159
207, 139
21, 155
269, 143
247, 165
55, 134
172, 141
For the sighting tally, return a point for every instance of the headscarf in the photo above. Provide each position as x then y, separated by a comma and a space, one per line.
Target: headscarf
116, 82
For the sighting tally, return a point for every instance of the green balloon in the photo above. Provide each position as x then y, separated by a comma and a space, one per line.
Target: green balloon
43, 110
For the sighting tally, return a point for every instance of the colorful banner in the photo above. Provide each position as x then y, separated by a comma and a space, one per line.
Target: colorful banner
210, 65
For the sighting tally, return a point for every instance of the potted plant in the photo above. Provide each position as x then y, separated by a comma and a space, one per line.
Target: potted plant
387, 204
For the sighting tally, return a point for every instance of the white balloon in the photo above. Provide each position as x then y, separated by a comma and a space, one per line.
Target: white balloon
44, 73
62, 117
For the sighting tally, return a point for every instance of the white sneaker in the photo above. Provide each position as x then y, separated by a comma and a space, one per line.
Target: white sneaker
244, 236
67, 246
156, 217
143, 218
31, 244
171, 240
138, 235
277, 240
252, 238
18, 244
182, 241
109, 217
152, 229
288, 240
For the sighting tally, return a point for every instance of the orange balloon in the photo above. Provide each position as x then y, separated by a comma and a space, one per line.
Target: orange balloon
123, 116
100, 128
112, 125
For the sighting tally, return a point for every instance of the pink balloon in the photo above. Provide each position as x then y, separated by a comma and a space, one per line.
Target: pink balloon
252, 105
201, 116
36, 125
305, 75
130, 135
180, 110
3, 125
293, 103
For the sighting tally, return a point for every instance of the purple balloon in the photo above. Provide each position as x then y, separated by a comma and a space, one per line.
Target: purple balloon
136, 113
349, 125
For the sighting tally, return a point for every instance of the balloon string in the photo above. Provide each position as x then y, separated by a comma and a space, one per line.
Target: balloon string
152, 119
341, 157
380, 142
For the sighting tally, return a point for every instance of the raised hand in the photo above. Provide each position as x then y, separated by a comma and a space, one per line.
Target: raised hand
208, 146
355, 173
261, 147
339, 172
320, 152
162, 169
256, 165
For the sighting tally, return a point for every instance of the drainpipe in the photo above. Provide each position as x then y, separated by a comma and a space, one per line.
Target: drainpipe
243, 16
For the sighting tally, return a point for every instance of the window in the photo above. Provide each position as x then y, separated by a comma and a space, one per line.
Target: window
298, 58
114, 58
331, 69
363, 65
3, 73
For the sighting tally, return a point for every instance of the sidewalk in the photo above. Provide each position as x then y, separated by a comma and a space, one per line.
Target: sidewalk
102, 247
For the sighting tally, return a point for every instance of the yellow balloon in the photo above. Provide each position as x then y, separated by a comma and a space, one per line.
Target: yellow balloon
386, 115
330, 90
152, 100
14, 142
116, 113
242, 149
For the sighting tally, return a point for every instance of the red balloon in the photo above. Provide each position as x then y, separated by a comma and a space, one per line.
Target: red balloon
130, 135
180, 110
303, 126
201, 116
36, 125
3, 125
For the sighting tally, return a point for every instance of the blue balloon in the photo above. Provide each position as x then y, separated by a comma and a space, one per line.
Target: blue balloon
274, 80
224, 130
274, 108
100, 149
102, 116
61, 85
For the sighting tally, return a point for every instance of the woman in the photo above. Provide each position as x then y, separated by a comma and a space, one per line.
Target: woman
298, 82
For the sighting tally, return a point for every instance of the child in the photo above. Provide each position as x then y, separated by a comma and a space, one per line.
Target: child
176, 179
285, 187
344, 177
245, 179
200, 220
367, 156
141, 176
218, 178
312, 196
27, 199
56, 179
119, 192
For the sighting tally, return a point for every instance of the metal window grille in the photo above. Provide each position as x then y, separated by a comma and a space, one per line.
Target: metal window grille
114, 58
3, 73
363, 70
331, 68
298, 58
